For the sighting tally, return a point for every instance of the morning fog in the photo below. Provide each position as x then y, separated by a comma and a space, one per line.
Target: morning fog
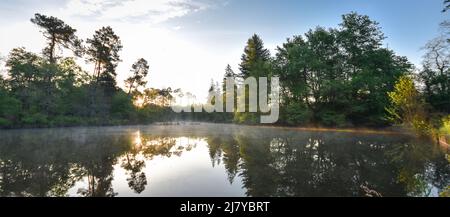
250, 95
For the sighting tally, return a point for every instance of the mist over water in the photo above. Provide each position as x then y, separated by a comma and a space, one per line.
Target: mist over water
197, 159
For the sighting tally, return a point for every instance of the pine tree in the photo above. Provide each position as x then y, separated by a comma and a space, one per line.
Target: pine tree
140, 71
254, 57
103, 51
57, 34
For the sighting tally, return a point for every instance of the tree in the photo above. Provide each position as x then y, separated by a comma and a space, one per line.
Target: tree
407, 106
2, 83
57, 34
377, 74
436, 74
140, 71
25, 77
71, 82
359, 34
103, 51
312, 79
255, 62
254, 57
121, 106
9, 109
446, 6
339, 75
229, 74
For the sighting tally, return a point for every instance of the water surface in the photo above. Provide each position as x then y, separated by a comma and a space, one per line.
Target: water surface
217, 160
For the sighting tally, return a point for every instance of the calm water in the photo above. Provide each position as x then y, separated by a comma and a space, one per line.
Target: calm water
217, 160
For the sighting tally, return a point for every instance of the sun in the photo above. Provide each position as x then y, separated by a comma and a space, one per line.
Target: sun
139, 102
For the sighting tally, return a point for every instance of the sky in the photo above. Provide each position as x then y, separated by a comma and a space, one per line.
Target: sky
190, 42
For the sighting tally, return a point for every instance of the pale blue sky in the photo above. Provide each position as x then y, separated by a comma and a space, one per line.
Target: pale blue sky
188, 42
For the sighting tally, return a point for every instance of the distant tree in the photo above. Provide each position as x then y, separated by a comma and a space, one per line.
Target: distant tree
137, 79
103, 51
3, 85
436, 74
446, 6
229, 73
158, 97
445, 28
57, 34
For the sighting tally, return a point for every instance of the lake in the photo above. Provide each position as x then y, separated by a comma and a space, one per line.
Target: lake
190, 159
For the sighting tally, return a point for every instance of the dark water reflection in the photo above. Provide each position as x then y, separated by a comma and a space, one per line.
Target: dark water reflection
217, 160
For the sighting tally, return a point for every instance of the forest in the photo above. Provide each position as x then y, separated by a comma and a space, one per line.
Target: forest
341, 76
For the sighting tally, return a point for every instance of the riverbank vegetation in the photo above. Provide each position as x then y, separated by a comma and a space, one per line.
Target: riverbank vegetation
342, 76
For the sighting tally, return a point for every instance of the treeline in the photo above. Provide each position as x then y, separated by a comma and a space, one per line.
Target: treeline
344, 77
341, 77
52, 90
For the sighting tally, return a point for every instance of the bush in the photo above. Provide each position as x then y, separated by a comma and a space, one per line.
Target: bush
445, 129
296, 113
5, 122
122, 106
246, 118
331, 118
9, 109
35, 120
67, 121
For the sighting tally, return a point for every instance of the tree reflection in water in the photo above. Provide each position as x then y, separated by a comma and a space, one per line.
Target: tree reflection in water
268, 162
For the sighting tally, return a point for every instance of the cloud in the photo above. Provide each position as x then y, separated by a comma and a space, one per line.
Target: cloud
154, 11
176, 28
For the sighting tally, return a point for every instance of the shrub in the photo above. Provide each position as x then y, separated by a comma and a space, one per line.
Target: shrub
5, 122
331, 118
36, 120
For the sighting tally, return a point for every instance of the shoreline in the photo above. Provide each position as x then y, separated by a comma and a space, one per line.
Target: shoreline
390, 130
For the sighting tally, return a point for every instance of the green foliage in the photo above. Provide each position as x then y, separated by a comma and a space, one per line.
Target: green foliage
35, 120
9, 106
122, 106
55, 91
103, 51
436, 74
57, 33
66, 121
255, 62
331, 118
254, 58
296, 113
5, 123
407, 106
340, 76
137, 79
446, 191
445, 128
406, 101
246, 118
332, 77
